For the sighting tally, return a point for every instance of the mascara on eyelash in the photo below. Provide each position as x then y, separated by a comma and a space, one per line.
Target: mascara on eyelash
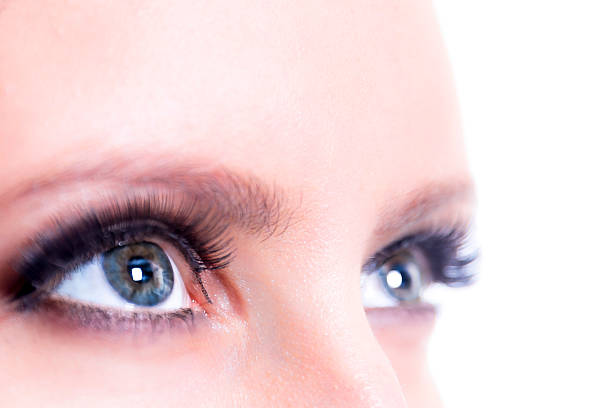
444, 251
198, 233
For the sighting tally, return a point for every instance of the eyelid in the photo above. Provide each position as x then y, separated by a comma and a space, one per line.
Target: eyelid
59, 313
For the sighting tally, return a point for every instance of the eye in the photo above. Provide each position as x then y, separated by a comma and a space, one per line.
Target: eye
399, 279
401, 272
145, 261
136, 275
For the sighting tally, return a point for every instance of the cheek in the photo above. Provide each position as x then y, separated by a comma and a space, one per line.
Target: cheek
59, 368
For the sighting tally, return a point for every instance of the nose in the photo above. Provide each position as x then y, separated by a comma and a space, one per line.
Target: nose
354, 364
327, 356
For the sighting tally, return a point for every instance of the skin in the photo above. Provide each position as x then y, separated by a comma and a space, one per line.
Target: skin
345, 110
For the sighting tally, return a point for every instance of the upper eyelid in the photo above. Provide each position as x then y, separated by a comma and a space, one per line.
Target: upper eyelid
408, 241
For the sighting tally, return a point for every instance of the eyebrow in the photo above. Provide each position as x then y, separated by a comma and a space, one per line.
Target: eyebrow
247, 202
423, 201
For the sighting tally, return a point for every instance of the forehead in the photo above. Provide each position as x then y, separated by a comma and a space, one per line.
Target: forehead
315, 95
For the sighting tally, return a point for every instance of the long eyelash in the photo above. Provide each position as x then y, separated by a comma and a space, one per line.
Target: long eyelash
197, 232
450, 257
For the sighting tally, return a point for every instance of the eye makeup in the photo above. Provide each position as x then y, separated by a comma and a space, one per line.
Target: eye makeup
448, 253
196, 231
75, 314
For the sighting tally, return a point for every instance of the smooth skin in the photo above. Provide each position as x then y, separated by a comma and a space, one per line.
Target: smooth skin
346, 109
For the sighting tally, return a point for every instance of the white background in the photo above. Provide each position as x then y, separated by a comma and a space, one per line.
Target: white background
534, 83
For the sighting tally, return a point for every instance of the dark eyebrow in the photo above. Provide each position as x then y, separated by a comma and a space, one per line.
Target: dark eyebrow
247, 202
421, 202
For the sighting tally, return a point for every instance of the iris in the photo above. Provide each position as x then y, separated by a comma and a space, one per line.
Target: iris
401, 276
141, 273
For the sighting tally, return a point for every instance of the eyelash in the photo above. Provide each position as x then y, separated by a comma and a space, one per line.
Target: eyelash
199, 236
448, 252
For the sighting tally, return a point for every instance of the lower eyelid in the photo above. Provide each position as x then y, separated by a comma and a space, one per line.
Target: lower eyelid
61, 314
414, 314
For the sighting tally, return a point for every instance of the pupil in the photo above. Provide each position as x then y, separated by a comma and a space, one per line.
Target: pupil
399, 278
140, 269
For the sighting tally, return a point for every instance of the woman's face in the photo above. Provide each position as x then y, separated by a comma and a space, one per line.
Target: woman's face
274, 152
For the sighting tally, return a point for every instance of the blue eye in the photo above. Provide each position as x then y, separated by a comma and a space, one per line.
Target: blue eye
402, 271
128, 277
400, 279
141, 273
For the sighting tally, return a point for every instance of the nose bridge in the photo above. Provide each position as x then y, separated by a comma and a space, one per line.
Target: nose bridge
362, 372
339, 361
